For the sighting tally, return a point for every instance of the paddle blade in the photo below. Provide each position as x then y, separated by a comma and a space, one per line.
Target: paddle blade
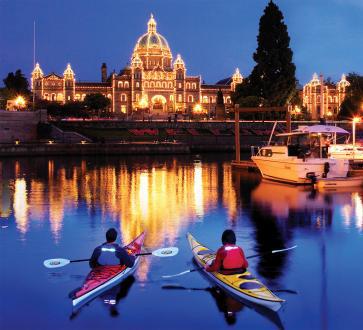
166, 252
283, 250
175, 275
55, 263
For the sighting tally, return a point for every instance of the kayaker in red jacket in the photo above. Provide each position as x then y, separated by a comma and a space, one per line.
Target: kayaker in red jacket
230, 258
110, 253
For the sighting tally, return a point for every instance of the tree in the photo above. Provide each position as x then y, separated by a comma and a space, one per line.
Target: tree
220, 99
17, 83
97, 102
272, 80
353, 102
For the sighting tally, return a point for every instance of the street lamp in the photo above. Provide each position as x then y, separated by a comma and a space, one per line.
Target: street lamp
20, 102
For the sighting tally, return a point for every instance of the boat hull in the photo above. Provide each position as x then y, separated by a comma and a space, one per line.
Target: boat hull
103, 278
257, 293
296, 171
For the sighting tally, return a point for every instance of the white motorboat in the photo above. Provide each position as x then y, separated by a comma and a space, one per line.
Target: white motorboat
301, 157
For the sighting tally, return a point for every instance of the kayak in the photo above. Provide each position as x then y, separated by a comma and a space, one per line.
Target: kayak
103, 278
243, 285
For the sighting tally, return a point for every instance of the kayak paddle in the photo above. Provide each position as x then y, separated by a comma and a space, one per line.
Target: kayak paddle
249, 257
162, 253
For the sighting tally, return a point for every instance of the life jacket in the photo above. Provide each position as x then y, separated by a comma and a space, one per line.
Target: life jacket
108, 255
233, 257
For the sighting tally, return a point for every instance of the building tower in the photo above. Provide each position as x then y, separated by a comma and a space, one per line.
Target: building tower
37, 81
104, 72
179, 71
236, 79
341, 87
69, 84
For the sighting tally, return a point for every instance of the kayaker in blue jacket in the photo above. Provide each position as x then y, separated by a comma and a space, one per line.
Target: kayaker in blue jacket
110, 253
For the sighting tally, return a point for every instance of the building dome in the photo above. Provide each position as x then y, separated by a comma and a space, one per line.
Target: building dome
152, 42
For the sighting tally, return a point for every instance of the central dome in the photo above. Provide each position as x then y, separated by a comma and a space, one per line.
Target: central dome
151, 40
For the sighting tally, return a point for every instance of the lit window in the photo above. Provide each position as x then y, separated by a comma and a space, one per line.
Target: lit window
164, 84
78, 97
60, 97
194, 86
190, 98
205, 99
188, 85
137, 97
46, 96
179, 85
120, 84
180, 98
170, 85
146, 84
171, 97
137, 84
123, 108
158, 84
123, 97
83, 96
152, 84
126, 84
109, 96
69, 98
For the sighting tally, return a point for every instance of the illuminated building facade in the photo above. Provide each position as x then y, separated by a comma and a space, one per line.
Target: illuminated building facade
324, 102
153, 81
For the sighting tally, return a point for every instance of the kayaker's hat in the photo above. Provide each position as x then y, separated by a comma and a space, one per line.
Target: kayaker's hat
228, 237
111, 235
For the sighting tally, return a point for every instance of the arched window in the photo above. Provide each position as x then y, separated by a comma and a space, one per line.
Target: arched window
146, 84
318, 99
336, 99
152, 84
179, 85
164, 84
126, 84
188, 86
170, 85
120, 84
330, 99
123, 97
211, 99
228, 99
137, 84
137, 97
123, 108
109, 96
78, 97
53, 97
190, 98
171, 97
45, 96
60, 97
158, 84
205, 99
194, 85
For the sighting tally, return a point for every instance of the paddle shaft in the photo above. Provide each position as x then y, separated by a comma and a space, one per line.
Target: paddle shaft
137, 254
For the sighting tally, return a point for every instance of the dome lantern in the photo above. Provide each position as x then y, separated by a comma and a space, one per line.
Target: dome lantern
179, 63
68, 73
151, 25
37, 72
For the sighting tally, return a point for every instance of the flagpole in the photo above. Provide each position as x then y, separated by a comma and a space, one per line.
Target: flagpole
33, 64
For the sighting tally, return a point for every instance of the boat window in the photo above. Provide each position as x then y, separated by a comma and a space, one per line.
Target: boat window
266, 152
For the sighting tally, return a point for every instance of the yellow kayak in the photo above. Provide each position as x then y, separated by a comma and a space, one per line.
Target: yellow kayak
243, 285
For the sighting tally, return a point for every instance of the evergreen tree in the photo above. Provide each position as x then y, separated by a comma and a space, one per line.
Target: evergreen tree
17, 83
272, 80
353, 101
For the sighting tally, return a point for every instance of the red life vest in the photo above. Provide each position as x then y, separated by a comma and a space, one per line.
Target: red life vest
234, 257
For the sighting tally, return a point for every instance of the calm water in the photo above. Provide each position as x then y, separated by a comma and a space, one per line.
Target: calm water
61, 207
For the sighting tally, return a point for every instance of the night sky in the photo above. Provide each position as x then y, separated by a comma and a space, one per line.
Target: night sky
213, 36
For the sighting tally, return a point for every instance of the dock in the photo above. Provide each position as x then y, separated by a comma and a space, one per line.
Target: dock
248, 165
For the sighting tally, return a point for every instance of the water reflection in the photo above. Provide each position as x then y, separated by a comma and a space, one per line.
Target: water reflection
161, 196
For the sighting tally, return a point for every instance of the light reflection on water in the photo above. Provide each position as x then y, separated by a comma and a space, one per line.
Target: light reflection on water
168, 196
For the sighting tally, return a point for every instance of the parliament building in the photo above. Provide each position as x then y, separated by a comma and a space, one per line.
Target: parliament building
154, 82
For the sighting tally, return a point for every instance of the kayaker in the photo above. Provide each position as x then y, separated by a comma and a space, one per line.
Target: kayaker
110, 253
230, 258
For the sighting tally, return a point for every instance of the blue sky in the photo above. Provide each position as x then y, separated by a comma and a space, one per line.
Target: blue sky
213, 36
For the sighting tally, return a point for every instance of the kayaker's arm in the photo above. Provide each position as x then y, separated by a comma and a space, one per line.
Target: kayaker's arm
125, 258
217, 263
93, 262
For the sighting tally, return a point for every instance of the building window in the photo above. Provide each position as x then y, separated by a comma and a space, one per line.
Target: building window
109, 96
152, 84
190, 98
194, 85
69, 98
170, 85
45, 96
146, 84
83, 96
123, 108
164, 84
180, 98
137, 97
158, 84
171, 98
120, 84
188, 86
205, 99
60, 97
137, 84
123, 97
53, 97
78, 97
330, 99
126, 84
179, 85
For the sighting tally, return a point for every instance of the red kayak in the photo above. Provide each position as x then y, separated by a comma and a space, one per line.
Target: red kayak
103, 278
